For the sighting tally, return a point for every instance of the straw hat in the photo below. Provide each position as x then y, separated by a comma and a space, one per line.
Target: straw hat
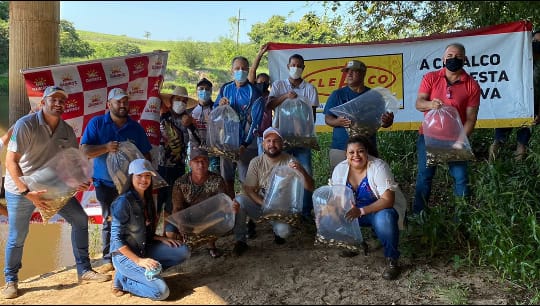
178, 91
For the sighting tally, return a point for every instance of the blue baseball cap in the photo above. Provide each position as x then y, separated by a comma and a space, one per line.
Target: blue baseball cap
117, 94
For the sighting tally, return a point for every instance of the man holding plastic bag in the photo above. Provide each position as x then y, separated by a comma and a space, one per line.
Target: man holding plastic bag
36, 139
355, 74
302, 124
449, 86
256, 189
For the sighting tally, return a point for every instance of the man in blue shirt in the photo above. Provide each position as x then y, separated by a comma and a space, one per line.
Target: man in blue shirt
246, 100
355, 75
101, 136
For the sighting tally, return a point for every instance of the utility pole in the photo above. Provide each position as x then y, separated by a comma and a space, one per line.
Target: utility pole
238, 28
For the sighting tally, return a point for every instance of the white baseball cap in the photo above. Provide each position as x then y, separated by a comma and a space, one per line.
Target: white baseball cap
139, 166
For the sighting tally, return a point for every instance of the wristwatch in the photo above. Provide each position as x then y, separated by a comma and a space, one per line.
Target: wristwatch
24, 193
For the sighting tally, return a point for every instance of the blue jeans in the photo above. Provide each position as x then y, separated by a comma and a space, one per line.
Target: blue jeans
304, 157
254, 211
169, 174
385, 224
424, 178
523, 135
20, 210
106, 195
130, 277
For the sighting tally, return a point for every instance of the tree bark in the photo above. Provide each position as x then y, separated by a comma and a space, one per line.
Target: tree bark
34, 41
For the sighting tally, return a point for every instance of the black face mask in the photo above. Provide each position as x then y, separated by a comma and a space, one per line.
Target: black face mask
454, 64
536, 47
262, 87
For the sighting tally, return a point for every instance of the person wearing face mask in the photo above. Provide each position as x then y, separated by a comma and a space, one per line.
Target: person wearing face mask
450, 85
201, 115
175, 125
523, 134
246, 101
291, 88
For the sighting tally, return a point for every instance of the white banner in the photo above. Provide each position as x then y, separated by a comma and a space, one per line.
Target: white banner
498, 57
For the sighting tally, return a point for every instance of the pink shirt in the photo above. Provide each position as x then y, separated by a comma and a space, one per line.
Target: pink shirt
461, 95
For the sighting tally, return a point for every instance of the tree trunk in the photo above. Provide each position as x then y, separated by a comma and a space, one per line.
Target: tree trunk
33, 42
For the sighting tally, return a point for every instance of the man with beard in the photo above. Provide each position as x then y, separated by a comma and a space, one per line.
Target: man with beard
101, 136
257, 181
37, 138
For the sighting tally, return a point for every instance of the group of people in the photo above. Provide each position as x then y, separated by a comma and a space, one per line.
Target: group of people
130, 244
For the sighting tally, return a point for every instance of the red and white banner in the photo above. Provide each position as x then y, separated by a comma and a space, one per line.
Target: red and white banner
499, 57
88, 84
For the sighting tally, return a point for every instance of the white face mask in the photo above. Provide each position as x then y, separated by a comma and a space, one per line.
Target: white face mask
295, 72
179, 107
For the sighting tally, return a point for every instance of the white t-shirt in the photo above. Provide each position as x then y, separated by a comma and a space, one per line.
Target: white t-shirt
305, 89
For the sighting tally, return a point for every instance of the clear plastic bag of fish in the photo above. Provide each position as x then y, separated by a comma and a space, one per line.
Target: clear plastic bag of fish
285, 194
445, 137
330, 204
60, 176
223, 132
118, 165
294, 120
366, 110
211, 217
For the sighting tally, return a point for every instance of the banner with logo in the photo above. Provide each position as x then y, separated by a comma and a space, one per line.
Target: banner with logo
88, 84
499, 57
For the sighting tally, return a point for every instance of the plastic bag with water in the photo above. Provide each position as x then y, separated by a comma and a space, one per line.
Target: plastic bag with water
213, 216
330, 204
285, 194
60, 176
223, 132
294, 120
118, 165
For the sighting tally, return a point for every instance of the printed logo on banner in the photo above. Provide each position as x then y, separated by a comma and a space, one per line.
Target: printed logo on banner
137, 89
137, 67
95, 100
136, 108
152, 130
151, 111
92, 76
157, 65
74, 106
77, 125
154, 85
36, 82
382, 71
68, 78
116, 72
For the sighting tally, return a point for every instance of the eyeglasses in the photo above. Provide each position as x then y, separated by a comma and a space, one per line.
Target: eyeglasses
449, 92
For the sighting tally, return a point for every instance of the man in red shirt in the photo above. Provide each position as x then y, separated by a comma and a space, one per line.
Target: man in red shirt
451, 85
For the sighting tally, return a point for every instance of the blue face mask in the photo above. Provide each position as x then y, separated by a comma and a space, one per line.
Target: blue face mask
240, 76
204, 95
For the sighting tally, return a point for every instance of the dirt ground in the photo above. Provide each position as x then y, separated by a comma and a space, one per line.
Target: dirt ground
296, 272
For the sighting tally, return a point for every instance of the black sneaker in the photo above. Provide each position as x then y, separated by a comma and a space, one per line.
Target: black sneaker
251, 234
278, 240
240, 247
392, 271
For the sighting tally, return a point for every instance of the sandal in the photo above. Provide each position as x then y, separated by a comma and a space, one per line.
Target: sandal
215, 252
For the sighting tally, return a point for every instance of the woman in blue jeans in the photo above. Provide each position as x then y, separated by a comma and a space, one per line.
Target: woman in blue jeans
379, 203
135, 247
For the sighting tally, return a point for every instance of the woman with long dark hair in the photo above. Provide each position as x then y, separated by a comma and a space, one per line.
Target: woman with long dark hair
138, 254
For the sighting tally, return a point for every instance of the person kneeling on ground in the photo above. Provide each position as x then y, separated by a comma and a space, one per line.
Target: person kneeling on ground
379, 203
257, 181
194, 187
135, 247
